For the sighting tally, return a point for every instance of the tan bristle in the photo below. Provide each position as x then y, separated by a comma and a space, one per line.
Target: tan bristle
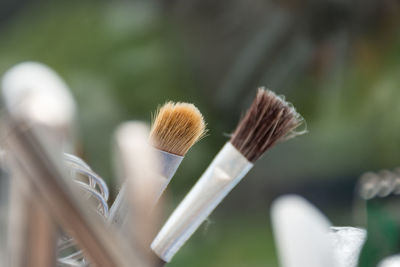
176, 127
268, 120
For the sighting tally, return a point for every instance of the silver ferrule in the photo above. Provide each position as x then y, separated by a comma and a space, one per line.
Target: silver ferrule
224, 172
169, 164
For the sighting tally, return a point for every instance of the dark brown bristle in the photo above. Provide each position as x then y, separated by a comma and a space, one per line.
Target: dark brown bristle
268, 120
177, 127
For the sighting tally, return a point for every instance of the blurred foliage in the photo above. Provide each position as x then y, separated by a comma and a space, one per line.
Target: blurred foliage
115, 57
337, 61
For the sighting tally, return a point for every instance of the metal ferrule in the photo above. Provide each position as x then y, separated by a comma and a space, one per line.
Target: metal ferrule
169, 164
224, 172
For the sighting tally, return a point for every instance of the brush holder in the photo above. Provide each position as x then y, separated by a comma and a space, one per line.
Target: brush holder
95, 190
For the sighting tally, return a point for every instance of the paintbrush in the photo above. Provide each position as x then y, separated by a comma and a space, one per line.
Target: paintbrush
175, 129
269, 120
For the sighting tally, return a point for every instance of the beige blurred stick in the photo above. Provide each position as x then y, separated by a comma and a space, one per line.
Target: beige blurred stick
33, 237
34, 91
33, 230
18, 222
42, 236
42, 167
139, 165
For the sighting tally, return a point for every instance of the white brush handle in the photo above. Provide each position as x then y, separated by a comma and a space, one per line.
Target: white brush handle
120, 208
225, 171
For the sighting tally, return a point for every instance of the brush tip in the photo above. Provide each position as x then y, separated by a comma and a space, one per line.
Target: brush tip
269, 119
177, 127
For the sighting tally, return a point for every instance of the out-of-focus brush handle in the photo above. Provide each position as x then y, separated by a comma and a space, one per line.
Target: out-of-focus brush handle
33, 91
41, 168
226, 170
42, 236
18, 223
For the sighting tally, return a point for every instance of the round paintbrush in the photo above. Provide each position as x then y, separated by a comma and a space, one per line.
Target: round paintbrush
176, 128
269, 120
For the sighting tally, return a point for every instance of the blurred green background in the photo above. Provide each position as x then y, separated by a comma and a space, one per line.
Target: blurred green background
337, 61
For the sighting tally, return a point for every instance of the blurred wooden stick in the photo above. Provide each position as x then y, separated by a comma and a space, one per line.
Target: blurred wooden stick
42, 235
33, 231
18, 223
36, 93
40, 166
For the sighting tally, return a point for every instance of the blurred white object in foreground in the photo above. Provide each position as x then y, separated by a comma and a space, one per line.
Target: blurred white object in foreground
138, 164
33, 90
301, 233
305, 237
392, 261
